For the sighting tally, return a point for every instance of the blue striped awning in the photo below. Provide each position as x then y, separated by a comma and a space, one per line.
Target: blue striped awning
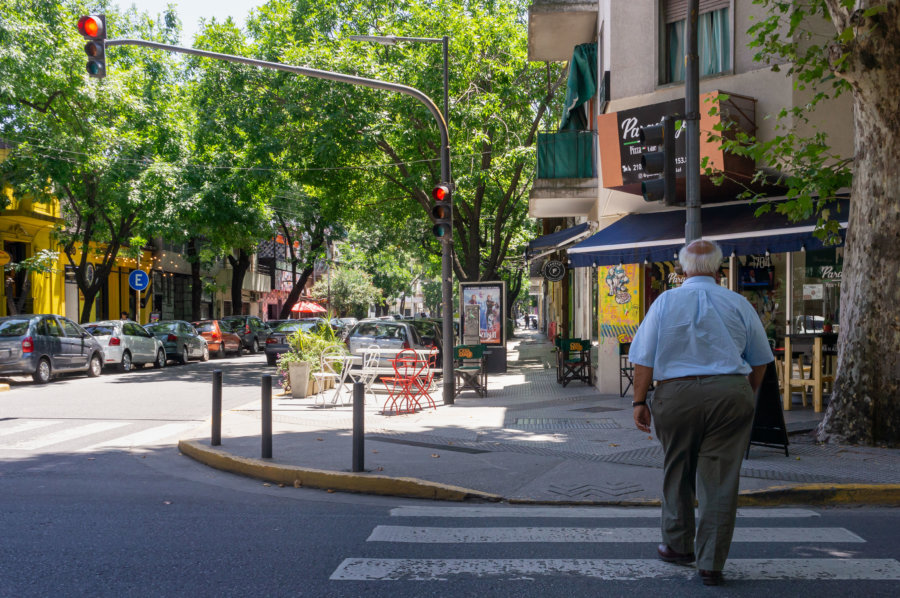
557, 239
657, 236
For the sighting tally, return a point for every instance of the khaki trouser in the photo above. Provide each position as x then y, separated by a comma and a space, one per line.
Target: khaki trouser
704, 426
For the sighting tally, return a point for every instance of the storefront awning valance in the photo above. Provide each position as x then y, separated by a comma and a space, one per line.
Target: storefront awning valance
658, 236
555, 240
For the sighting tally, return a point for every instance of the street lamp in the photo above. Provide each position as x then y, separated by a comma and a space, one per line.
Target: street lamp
446, 241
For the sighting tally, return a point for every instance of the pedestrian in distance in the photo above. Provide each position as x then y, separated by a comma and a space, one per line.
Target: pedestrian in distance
707, 349
123, 315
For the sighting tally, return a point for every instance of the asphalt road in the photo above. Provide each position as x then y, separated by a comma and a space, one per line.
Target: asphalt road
119, 512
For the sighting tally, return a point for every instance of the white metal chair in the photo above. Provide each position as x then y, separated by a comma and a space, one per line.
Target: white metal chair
369, 371
331, 361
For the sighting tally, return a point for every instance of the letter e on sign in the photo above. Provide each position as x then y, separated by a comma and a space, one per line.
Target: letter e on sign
138, 280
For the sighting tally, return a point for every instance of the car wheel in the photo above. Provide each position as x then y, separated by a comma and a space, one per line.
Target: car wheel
160, 359
184, 356
95, 366
240, 350
271, 359
221, 352
205, 356
254, 348
41, 374
126, 364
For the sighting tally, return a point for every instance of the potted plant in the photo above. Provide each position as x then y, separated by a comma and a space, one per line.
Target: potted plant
305, 358
827, 325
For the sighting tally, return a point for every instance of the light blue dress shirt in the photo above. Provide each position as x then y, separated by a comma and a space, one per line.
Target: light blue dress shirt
700, 329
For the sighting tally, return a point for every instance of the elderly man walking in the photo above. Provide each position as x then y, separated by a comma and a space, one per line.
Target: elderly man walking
707, 349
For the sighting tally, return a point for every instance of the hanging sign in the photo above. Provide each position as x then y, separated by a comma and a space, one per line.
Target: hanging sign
554, 271
5, 258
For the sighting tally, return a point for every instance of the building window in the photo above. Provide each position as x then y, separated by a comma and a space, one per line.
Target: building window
713, 38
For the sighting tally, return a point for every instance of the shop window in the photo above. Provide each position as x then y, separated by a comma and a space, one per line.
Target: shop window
713, 38
816, 290
761, 280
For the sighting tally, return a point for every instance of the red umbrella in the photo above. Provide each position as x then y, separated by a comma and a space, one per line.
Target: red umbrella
308, 307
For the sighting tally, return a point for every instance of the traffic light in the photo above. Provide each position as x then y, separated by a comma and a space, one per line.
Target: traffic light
93, 28
442, 212
661, 161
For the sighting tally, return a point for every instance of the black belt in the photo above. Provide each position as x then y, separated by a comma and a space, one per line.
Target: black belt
683, 378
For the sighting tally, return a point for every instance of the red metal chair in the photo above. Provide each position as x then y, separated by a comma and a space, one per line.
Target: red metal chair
402, 384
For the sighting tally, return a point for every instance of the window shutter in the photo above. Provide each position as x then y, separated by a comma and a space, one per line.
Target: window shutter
676, 10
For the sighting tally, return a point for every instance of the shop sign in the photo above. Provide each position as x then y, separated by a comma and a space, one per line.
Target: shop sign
826, 264
813, 292
630, 123
554, 271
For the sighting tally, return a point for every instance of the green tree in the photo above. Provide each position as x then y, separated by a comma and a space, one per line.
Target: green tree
349, 292
103, 148
859, 57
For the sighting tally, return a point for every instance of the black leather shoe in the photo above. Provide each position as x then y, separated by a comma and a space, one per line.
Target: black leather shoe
670, 556
711, 578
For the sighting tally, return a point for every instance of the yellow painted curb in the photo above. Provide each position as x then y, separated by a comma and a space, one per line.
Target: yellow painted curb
4, 387
291, 475
832, 494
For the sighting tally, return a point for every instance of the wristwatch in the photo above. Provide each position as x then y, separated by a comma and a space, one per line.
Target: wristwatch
636, 403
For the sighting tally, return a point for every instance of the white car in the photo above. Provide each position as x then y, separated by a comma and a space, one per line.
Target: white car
126, 344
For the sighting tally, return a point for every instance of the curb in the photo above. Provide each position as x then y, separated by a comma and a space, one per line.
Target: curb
823, 494
291, 475
4, 387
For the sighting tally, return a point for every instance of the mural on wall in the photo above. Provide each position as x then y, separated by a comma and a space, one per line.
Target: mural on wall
620, 306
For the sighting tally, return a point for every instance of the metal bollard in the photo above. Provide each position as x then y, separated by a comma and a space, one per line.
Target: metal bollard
216, 436
266, 413
359, 400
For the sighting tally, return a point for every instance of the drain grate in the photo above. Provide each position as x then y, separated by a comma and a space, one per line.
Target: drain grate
552, 423
444, 447
598, 409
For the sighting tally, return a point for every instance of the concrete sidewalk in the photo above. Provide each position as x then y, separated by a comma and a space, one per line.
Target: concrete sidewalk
529, 441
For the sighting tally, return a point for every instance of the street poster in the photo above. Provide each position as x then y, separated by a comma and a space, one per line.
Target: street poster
490, 299
620, 301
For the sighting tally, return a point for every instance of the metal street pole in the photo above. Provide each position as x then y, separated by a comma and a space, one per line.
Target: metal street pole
447, 242
446, 264
692, 230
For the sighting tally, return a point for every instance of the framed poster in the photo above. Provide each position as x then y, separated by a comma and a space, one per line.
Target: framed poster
490, 299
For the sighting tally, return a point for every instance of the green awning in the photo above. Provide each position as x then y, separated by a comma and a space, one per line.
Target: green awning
581, 87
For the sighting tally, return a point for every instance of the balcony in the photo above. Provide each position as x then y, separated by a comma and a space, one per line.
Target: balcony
566, 182
556, 26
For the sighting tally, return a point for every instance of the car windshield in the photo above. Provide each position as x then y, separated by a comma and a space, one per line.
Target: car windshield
288, 327
163, 327
16, 327
100, 329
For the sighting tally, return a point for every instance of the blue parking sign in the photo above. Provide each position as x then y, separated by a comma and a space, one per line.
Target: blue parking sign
138, 280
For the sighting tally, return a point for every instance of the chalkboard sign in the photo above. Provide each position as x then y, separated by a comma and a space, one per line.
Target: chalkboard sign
768, 420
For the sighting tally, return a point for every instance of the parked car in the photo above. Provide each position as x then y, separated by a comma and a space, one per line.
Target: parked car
430, 334
343, 325
45, 344
276, 342
220, 338
180, 340
389, 335
126, 344
252, 330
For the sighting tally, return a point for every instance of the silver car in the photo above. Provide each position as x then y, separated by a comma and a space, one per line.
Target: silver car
392, 336
126, 344
46, 344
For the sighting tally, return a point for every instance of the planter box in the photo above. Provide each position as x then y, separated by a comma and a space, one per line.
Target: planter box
301, 384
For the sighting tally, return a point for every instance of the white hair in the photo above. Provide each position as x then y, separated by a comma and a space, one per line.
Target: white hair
697, 258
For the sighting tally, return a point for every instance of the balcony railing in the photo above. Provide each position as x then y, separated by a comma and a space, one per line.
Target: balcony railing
566, 155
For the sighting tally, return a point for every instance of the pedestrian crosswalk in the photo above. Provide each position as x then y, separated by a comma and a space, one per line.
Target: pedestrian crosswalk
51, 435
751, 531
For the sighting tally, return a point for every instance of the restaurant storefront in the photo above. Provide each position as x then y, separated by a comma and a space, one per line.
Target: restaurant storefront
780, 267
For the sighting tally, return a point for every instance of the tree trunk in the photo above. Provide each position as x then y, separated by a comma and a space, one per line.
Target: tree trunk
865, 407
239, 268
294, 295
196, 283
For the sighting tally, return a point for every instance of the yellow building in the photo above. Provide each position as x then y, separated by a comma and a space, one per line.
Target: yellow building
26, 229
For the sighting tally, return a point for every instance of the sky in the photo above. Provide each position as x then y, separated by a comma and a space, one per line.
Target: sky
191, 11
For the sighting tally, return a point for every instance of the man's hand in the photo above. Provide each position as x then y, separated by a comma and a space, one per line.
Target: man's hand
642, 417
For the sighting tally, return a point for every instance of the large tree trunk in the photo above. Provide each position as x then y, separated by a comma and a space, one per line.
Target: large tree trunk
865, 406
239, 268
296, 289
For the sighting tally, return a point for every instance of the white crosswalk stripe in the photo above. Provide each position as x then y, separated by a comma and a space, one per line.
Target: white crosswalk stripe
479, 535
613, 569
579, 512
442, 569
145, 438
37, 435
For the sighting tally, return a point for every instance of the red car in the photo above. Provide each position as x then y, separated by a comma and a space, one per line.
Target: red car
219, 337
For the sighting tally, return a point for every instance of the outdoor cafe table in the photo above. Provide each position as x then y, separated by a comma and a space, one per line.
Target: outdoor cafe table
821, 348
371, 374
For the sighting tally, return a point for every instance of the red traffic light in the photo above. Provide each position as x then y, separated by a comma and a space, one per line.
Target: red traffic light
92, 26
441, 193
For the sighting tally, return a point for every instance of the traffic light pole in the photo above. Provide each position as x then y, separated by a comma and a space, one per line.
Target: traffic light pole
692, 230
446, 244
